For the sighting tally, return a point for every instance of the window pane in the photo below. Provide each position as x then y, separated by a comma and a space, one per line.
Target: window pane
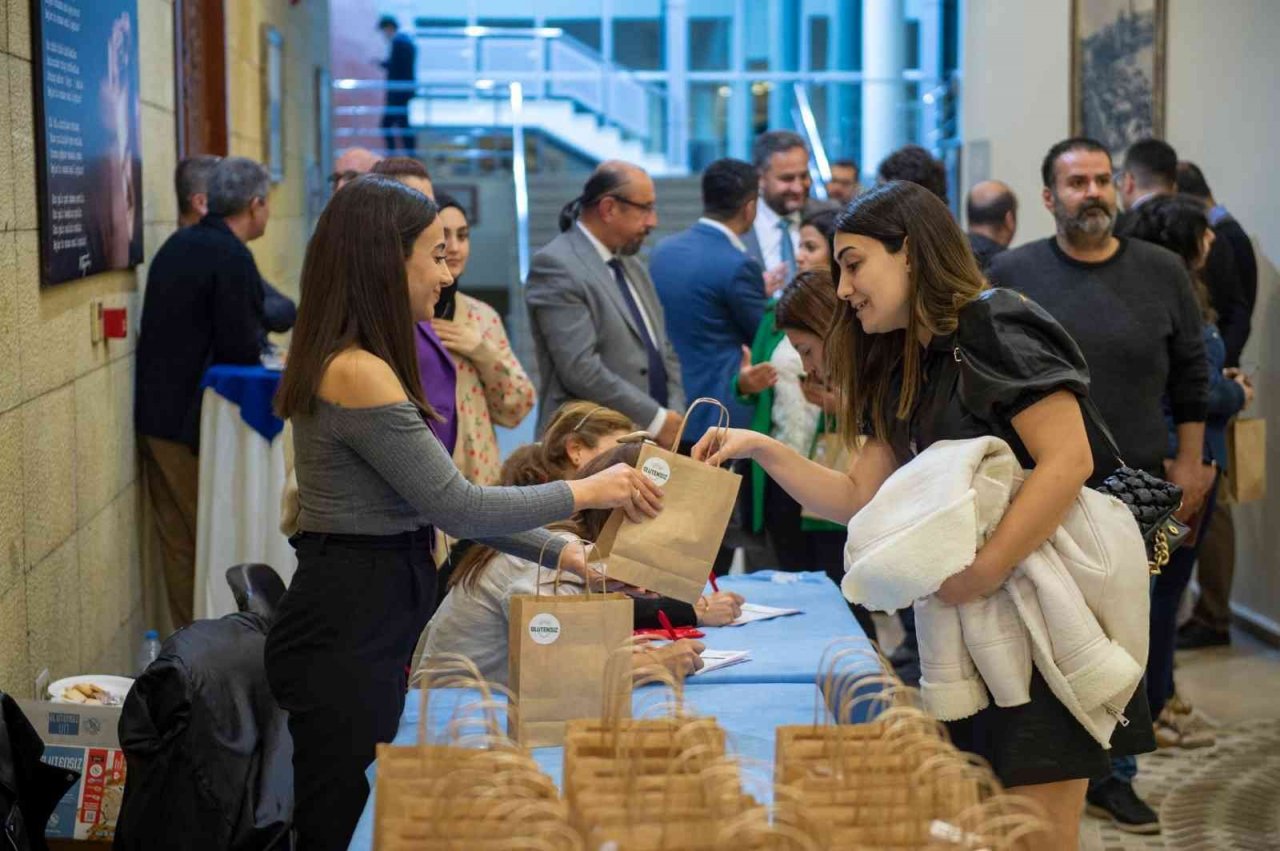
708, 123
709, 43
638, 43
585, 30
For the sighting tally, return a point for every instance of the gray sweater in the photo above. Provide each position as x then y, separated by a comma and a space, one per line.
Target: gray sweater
380, 471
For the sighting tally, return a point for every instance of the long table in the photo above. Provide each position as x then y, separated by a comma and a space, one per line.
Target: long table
783, 650
241, 479
750, 700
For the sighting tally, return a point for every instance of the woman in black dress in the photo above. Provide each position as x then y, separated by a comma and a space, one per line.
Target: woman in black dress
922, 350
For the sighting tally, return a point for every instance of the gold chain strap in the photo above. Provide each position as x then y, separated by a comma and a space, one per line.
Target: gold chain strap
1161, 553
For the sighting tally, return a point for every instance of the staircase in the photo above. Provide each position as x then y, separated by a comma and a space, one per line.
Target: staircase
559, 119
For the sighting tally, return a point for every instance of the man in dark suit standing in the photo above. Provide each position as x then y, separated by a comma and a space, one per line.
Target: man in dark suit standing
203, 305
1230, 233
992, 210
191, 180
1210, 624
598, 326
1151, 169
400, 66
713, 292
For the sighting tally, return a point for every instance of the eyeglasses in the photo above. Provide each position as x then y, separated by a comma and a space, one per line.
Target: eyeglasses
644, 208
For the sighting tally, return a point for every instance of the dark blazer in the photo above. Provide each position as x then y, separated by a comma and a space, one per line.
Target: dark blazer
400, 65
1246, 261
29, 789
984, 249
203, 305
587, 342
208, 748
1226, 292
713, 296
278, 310
1230, 233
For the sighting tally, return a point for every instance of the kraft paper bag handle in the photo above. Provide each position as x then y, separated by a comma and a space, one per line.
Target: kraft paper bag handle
722, 421
587, 547
447, 667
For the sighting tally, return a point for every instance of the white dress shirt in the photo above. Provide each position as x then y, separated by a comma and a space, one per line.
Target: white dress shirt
654, 426
734, 239
770, 235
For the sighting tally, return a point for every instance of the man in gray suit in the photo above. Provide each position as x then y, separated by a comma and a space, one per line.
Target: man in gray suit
598, 326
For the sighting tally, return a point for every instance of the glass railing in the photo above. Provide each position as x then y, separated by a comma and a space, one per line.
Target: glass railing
463, 75
580, 108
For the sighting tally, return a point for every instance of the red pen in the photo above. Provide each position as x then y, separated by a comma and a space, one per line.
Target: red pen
666, 624
715, 586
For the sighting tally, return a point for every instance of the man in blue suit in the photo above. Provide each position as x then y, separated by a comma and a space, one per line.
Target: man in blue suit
712, 293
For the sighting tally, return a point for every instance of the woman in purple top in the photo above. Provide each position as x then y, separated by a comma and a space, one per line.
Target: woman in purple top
439, 382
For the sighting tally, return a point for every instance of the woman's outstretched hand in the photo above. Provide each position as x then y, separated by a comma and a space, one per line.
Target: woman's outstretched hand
720, 445
620, 486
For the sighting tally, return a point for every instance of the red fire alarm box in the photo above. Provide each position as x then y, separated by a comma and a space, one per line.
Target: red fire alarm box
115, 323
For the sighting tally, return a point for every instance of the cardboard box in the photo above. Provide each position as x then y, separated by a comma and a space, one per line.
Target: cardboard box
83, 739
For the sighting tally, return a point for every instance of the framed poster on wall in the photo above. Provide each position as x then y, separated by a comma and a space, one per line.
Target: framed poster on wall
1117, 70
273, 102
88, 144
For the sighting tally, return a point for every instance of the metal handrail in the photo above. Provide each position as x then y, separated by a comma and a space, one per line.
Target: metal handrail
817, 150
544, 34
520, 178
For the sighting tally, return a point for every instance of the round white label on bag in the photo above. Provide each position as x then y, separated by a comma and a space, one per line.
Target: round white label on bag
657, 471
544, 628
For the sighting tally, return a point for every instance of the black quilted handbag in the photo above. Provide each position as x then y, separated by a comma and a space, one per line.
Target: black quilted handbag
1152, 500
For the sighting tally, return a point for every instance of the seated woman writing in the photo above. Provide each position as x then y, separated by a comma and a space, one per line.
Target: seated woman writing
473, 619
579, 433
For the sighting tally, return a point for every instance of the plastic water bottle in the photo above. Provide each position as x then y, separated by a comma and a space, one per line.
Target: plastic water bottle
150, 649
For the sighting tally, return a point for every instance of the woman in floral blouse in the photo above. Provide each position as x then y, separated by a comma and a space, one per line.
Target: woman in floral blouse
493, 388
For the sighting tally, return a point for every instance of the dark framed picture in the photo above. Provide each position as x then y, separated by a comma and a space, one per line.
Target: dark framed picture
1117, 70
273, 102
88, 136
467, 197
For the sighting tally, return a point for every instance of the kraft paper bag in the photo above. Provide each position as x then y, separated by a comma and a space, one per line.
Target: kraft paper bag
674, 552
558, 652
1247, 459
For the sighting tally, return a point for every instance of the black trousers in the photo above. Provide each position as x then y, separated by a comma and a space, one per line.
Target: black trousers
337, 661
1166, 598
799, 549
396, 131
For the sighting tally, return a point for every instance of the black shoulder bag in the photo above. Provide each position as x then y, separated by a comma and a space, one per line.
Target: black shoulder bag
1152, 500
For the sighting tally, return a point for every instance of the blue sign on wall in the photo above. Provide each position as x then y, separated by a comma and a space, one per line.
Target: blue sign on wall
88, 141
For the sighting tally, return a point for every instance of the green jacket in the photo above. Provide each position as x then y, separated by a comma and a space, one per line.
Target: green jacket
762, 347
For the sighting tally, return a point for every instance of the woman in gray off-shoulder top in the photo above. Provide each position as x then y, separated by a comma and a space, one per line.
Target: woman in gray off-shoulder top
372, 482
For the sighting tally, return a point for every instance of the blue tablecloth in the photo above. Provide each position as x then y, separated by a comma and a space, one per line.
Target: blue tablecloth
783, 650
252, 389
749, 713
750, 700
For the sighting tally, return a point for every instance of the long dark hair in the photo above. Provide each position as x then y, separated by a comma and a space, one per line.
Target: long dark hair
355, 291
586, 524
944, 278
447, 306
1178, 223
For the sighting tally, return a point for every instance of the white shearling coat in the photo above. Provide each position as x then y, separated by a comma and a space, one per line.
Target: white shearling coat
1077, 607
